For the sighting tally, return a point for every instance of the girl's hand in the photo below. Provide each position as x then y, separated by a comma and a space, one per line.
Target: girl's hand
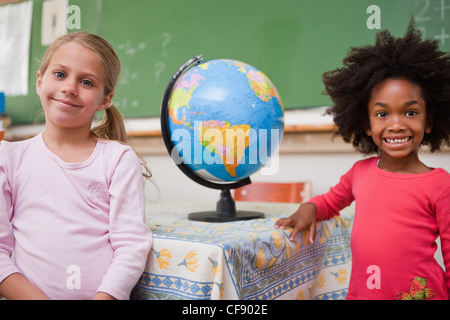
103, 296
303, 218
16, 287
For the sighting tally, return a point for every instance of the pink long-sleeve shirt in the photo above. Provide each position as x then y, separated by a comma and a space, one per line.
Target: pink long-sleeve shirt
77, 228
397, 220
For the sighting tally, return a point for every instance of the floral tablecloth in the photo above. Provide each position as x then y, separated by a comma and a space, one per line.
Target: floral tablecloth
243, 259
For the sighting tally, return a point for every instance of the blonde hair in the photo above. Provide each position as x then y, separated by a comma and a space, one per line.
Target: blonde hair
112, 126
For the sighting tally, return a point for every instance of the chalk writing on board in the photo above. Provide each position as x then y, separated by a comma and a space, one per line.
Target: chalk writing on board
160, 65
442, 9
166, 36
126, 103
128, 75
426, 10
131, 49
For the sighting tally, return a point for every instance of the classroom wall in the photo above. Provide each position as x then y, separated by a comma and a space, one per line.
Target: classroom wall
323, 167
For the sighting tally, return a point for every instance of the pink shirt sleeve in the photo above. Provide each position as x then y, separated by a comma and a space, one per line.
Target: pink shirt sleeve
7, 266
130, 238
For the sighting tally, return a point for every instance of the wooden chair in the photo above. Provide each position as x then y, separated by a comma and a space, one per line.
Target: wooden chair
292, 192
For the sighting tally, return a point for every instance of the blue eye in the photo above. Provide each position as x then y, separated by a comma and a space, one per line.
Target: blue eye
59, 74
87, 83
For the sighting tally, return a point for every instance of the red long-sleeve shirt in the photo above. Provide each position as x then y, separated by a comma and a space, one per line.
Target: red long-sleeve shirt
397, 220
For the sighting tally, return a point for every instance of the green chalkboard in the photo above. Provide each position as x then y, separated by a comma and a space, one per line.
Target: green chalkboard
292, 41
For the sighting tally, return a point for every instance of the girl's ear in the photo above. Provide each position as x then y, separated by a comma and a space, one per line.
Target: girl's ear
429, 124
368, 129
38, 83
106, 103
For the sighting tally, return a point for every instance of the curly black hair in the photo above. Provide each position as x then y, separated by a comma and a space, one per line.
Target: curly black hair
412, 58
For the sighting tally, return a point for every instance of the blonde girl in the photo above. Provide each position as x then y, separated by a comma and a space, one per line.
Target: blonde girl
73, 196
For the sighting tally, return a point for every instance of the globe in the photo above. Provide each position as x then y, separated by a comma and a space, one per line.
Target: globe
222, 120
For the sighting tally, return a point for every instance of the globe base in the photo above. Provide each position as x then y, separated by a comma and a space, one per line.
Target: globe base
225, 211
213, 216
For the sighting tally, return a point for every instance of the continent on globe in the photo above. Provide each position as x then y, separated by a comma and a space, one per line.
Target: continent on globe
227, 141
259, 83
181, 96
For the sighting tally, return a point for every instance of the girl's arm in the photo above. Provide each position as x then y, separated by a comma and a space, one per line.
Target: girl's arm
443, 219
130, 237
16, 287
321, 207
12, 284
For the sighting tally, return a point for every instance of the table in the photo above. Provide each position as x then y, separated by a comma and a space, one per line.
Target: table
247, 260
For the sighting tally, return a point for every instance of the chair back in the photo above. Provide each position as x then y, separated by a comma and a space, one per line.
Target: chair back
291, 192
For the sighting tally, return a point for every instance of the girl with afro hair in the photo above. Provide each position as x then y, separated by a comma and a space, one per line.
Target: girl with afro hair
389, 99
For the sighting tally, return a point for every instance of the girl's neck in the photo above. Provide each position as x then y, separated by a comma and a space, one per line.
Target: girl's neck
408, 165
70, 145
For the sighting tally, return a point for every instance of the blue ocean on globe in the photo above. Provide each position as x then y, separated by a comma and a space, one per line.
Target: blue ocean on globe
226, 120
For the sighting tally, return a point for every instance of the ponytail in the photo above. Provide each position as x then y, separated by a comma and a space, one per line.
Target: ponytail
112, 126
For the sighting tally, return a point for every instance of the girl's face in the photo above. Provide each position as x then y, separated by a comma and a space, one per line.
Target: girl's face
398, 119
72, 88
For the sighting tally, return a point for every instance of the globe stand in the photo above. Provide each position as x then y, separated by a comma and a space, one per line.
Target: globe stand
226, 207
225, 211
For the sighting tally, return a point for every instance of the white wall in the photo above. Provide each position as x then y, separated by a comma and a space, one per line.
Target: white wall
322, 169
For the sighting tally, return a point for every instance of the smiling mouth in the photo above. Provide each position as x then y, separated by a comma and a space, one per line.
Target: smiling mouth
65, 102
397, 141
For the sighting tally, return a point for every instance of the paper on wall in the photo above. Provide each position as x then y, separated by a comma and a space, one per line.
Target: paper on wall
54, 20
15, 29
